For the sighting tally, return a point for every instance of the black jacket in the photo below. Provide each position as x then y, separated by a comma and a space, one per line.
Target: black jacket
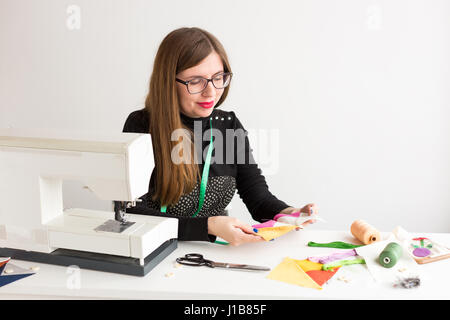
227, 173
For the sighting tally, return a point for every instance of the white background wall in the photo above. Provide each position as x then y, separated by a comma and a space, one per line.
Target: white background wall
357, 89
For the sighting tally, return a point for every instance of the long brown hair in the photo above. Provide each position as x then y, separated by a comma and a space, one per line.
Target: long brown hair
181, 49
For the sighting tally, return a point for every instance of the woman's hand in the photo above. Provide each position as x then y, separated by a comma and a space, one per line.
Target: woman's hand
232, 230
310, 208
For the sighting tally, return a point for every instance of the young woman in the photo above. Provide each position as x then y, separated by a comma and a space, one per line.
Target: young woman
190, 80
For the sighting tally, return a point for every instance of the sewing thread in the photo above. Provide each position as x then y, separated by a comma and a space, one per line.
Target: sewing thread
364, 232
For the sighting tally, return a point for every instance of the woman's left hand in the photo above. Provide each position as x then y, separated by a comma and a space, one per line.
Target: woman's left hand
310, 208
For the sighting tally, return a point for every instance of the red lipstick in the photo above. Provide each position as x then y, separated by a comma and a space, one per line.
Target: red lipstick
206, 105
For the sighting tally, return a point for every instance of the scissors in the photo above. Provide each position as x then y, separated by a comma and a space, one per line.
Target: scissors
196, 260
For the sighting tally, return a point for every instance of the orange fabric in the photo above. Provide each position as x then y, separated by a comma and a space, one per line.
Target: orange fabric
4, 262
321, 276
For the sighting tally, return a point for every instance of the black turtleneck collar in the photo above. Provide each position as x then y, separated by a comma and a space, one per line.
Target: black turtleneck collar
189, 122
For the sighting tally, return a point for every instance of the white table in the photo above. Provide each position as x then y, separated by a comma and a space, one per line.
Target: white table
56, 282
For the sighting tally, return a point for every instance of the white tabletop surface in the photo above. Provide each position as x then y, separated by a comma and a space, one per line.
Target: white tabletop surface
56, 282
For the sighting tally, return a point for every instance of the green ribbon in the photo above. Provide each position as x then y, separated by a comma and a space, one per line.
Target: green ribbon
205, 175
334, 264
335, 244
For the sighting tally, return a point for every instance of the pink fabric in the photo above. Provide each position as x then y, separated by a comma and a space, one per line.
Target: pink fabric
294, 214
267, 224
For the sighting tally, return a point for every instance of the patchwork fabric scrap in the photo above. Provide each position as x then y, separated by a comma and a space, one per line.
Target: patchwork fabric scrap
272, 229
303, 273
10, 272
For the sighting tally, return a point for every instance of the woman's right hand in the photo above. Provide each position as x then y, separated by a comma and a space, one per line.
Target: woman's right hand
232, 230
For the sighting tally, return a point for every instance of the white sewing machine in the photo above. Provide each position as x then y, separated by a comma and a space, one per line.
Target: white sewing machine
33, 224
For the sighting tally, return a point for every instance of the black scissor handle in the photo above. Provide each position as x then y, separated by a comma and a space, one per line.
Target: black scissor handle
188, 262
194, 256
194, 259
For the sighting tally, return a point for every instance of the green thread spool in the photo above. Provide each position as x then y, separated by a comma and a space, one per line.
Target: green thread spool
390, 255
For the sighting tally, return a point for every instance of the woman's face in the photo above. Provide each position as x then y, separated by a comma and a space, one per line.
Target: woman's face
200, 104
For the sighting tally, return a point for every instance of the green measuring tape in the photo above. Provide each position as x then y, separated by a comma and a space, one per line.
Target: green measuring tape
204, 180
205, 175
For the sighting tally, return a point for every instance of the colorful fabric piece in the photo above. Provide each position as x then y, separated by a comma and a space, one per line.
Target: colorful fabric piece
274, 232
303, 273
334, 256
307, 265
290, 272
321, 276
422, 250
267, 224
272, 229
4, 261
315, 271
10, 273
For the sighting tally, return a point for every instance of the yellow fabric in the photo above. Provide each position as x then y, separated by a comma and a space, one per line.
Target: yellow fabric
307, 265
274, 232
290, 272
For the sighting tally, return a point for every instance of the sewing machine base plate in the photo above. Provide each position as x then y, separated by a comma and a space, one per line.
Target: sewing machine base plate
114, 226
96, 261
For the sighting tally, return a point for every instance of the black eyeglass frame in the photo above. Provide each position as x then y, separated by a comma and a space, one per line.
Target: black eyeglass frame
186, 83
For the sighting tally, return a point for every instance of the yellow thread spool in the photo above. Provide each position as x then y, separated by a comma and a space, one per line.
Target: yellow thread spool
364, 232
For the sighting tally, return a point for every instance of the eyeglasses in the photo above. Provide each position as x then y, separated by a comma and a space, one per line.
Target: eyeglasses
199, 84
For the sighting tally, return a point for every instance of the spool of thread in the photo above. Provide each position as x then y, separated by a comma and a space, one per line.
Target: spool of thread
364, 232
390, 255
